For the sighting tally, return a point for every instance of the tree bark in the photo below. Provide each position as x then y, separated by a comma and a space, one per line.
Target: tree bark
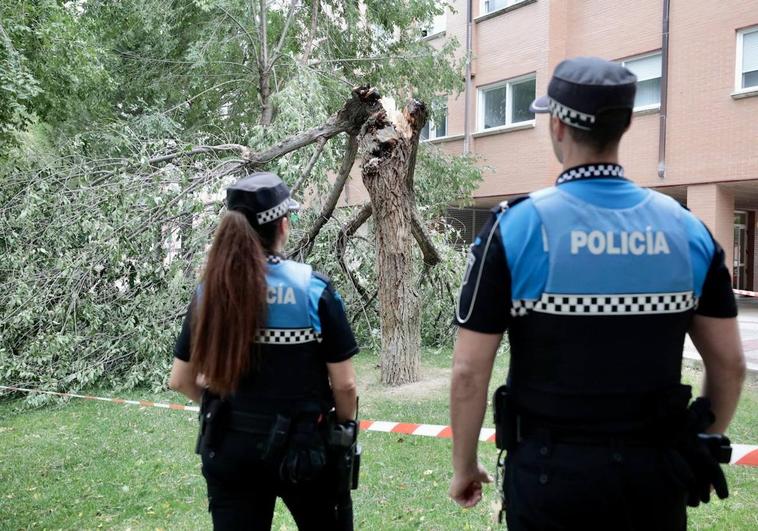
267, 106
389, 152
312, 35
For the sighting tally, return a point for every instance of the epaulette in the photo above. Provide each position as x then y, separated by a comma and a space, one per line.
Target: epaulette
510, 203
322, 277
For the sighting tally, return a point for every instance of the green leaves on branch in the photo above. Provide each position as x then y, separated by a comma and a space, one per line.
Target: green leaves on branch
93, 283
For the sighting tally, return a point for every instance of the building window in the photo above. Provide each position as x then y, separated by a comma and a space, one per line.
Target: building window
507, 103
747, 59
467, 222
648, 71
488, 6
437, 26
436, 125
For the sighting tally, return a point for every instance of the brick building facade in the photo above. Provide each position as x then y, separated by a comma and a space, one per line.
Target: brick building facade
694, 134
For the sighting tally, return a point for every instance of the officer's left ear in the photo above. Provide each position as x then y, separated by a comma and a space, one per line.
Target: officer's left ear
557, 129
284, 228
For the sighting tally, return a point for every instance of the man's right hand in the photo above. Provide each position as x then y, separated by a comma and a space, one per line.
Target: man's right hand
466, 488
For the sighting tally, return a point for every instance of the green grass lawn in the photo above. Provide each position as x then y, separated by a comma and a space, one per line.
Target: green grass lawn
88, 465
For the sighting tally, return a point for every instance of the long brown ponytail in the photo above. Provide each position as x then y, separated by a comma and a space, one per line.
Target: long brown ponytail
231, 307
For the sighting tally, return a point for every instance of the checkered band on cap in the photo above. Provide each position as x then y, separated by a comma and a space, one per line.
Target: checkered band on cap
286, 336
591, 171
570, 116
273, 213
273, 259
626, 304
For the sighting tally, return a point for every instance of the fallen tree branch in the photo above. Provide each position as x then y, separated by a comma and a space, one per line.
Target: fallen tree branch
309, 167
221, 170
425, 243
244, 152
347, 230
363, 102
303, 248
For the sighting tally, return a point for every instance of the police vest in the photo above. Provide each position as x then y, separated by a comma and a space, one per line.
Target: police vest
290, 372
604, 338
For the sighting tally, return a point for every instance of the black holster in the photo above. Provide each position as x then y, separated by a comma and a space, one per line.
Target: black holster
342, 441
703, 453
345, 456
213, 422
506, 418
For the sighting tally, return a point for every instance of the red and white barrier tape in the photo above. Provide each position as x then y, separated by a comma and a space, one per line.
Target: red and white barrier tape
745, 293
144, 403
742, 454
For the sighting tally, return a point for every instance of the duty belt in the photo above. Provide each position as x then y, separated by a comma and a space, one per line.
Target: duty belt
257, 424
529, 429
251, 423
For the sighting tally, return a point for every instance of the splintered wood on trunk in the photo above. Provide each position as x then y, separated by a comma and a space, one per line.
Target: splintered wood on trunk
389, 145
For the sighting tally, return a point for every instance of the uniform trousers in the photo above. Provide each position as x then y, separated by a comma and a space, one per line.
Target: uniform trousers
242, 490
565, 487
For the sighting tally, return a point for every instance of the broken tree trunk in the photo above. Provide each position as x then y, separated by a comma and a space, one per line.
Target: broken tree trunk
388, 156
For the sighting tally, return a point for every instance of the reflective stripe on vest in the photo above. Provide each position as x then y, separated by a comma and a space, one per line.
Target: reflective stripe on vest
286, 336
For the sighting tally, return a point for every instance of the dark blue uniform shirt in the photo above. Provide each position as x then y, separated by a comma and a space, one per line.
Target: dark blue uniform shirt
516, 265
597, 281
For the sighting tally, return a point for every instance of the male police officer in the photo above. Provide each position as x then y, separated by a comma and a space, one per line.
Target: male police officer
597, 282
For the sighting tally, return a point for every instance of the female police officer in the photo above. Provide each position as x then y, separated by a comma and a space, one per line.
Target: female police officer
269, 340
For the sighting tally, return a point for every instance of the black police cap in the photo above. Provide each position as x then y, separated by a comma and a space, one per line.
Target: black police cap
583, 88
262, 197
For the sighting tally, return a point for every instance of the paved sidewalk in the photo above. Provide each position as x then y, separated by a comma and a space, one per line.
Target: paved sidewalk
748, 319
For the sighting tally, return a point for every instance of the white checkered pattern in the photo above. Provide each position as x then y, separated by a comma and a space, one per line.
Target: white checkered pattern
273, 259
286, 336
571, 116
626, 304
273, 213
591, 171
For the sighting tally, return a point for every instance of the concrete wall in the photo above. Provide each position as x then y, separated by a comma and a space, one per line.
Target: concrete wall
714, 204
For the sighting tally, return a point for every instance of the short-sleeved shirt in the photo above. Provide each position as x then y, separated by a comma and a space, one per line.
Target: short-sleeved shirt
596, 281
290, 368
516, 259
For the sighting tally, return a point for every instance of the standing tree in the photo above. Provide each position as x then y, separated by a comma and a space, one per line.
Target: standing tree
389, 160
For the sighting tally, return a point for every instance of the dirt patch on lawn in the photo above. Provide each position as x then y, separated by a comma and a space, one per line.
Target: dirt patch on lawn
434, 381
